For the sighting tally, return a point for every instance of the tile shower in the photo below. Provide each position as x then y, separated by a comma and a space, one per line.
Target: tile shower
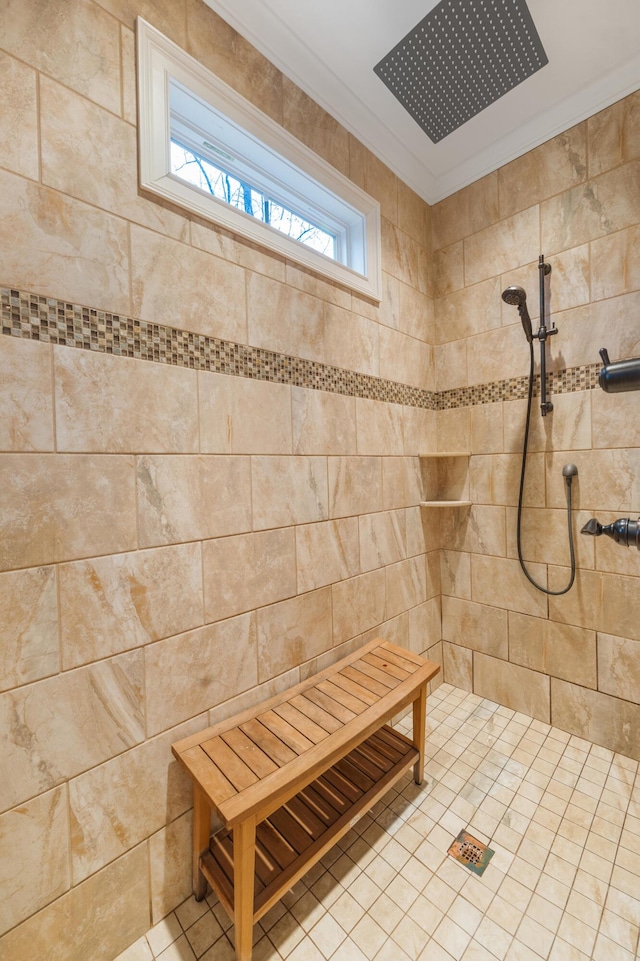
242, 479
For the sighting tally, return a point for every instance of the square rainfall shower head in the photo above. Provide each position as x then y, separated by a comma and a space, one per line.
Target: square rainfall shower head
461, 57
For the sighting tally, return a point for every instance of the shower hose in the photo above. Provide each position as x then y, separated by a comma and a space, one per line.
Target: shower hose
545, 590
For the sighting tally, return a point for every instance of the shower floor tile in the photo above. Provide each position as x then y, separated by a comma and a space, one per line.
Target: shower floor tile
561, 815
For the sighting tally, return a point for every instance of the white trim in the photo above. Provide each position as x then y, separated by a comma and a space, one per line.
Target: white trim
159, 62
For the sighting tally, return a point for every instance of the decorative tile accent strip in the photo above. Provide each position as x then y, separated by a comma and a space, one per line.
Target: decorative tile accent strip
33, 317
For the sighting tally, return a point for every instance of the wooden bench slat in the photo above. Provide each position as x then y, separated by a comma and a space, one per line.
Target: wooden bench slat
385, 665
279, 848
207, 774
307, 818
327, 722
365, 679
354, 774
318, 804
365, 763
232, 766
384, 747
342, 696
279, 752
330, 793
375, 756
303, 724
343, 784
253, 756
286, 732
335, 708
356, 689
400, 656
289, 828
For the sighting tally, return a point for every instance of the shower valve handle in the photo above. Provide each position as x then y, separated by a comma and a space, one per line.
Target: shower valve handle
623, 531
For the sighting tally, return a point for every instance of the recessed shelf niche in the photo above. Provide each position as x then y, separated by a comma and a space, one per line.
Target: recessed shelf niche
445, 479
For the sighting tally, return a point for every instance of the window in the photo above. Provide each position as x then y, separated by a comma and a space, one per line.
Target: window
206, 148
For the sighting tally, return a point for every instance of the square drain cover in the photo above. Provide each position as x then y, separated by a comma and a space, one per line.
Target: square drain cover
472, 853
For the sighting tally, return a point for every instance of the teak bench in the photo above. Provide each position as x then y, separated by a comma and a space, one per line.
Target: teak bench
290, 776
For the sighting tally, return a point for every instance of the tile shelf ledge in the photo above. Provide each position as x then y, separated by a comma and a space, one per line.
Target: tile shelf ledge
443, 503
445, 486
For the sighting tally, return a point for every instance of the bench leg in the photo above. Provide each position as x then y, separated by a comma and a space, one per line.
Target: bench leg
201, 833
244, 860
420, 731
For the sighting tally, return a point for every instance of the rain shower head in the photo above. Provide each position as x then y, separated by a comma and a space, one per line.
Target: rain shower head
517, 297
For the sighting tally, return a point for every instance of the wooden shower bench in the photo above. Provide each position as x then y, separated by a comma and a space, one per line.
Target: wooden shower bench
290, 776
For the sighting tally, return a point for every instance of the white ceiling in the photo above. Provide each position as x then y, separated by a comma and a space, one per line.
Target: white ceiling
329, 49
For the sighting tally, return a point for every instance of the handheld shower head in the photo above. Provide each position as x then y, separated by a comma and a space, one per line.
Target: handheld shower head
517, 297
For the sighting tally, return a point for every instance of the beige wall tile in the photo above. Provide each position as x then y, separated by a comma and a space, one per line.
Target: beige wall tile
26, 396
309, 282
617, 613
419, 430
326, 553
607, 480
554, 166
379, 427
495, 479
611, 557
475, 626
61, 726
28, 626
288, 490
415, 535
355, 485
395, 630
113, 604
569, 280
557, 649
19, 152
413, 214
614, 135
401, 256
248, 571
500, 580
401, 482
448, 269
34, 857
498, 354
170, 863
238, 250
597, 717
78, 44
544, 537
307, 121
60, 247
471, 310
582, 605
351, 342
405, 359
406, 585
152, 407
479, 529
614, 420
487, 429
293, 631
59, 507
567, 427
615, 263
507, 244
455, 573
284, 320
457, 666
384, 186
619, 667
415, 313
358, 605
454, 430
186, 498
167, 287
129, 97
216, 662
451, 365
425, 625
106, 814
323, 423
69, 929
382, 539
467, 211
515, 687
243, 416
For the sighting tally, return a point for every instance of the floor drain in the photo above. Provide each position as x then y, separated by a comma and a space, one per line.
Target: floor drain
472, 853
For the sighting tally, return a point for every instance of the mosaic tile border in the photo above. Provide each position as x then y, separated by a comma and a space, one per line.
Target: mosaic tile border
34, 317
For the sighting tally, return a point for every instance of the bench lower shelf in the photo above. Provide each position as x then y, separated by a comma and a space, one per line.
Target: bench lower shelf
300, 832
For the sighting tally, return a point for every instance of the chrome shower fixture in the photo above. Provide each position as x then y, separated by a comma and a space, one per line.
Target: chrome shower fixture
623, 531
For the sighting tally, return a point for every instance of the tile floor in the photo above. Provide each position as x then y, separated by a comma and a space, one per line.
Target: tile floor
561, 814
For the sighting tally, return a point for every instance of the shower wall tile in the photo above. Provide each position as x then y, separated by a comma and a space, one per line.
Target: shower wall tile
306, 281
568, 428
608, 479
472, 310
401, 482
413, 214
186, 498
415, 313
457, 666
288, 490
448, 269
455, 574
554, 166
170, 863
34, 857
401, 256
615, 263
293, 631
606, 720
382, 539
614, 135
406, 585
510, 243
29, 647
479, 529
323, 423
239, 251
173, 696
355, 485
248, 571
557, 649
383, 185
283, 319
380, 428
497, 354
618, 666
487, 429
618, 606
615, 420
501, 579
359, 604
153, 408
451, 365
26, 396
117, 603
19, 153
243, 416
405, 359
424, 627
351, 342
544, 537
516, 687
61, 726
122, 891
307, 121
570, 280
495, 479
477, 627
582, 605
466, 212
336, 542
129, 93
65, 506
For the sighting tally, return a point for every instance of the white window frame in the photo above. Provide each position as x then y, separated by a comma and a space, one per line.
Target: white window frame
310, 184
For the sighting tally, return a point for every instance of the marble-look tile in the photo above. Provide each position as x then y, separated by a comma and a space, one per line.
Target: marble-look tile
351, 342
615, 263
243, 416
293, 631
495, 479
170, 864
289, 490
512, 242
401, 256
454, 430
418, 429
465, 212
307, 121
567, 428
355, 485
283, 319
114, 604
618, 606
216, 662
64, 506
58, 727
458, 666
561, 650
65, 248
382, 184
498, 354
77, 44
487, 429
501, 580
451, 365
67, 930
415, 313
28, 626
129, 93
478, 627
455, 573
544, 537
471, 310
416, 540
598, 717
618, 667
614, 420
448, 269
405, 359
167, 288
406, 585
326, 553
554, 166
311, 283
581, 606
424, 626
26, 395
382, 539
106, 816
89, 153
606, 322
608, 480
323, 423
248, 571
516, 687
34, 857
238, 250
600, 206
186, 498
358, 605
614, 135
478, 529
151, 407
379, 428
413, 214
401, 482
19, 152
